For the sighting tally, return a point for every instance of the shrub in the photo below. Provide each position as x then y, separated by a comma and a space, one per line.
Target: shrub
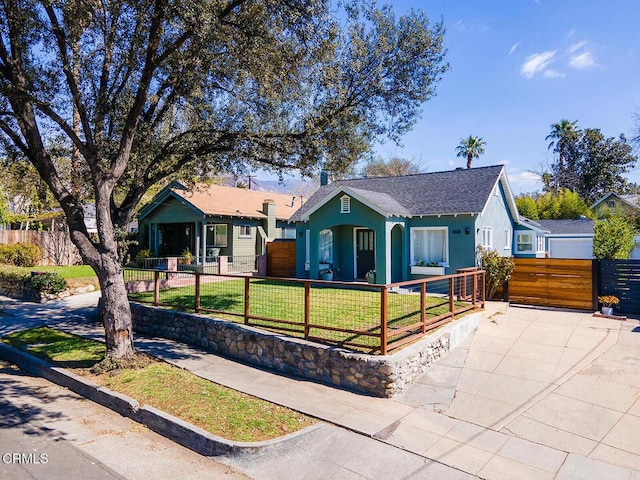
46, 282
498, 269
613, 239
20, 254
142, 256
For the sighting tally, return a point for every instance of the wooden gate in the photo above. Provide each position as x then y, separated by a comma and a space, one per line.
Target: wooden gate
281, 258
553, 282
622, 279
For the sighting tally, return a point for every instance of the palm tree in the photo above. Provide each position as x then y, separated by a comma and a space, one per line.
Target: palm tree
471, 148
560, 135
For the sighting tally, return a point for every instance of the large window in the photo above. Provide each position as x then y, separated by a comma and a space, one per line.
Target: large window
325, 245
430, 245
219, 231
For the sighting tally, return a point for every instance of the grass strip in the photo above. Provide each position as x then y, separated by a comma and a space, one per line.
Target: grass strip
217, 409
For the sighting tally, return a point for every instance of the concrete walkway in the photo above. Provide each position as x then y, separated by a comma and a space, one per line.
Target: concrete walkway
532, 394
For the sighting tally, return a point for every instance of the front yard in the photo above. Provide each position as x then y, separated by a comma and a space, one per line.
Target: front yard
350, 316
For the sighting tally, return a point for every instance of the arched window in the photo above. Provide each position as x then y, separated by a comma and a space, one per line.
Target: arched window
325, 245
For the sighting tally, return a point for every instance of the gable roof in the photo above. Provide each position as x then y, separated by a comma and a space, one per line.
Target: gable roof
453, 192
218, 200
631, 200
578, 226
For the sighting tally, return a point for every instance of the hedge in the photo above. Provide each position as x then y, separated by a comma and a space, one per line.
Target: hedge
20, 254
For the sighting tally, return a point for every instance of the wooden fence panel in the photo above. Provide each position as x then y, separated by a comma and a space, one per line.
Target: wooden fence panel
622, 279
281, 258
552, 282
56, 245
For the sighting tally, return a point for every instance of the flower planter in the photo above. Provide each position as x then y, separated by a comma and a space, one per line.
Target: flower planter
607, 311
326, 276
416, 270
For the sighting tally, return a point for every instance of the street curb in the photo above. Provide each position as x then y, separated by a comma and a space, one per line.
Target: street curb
173, 428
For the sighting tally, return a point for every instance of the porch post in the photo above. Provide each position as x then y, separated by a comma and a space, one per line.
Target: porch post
197, 242
204, 241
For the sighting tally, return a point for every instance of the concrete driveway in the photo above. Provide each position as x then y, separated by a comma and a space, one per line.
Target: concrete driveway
566, 380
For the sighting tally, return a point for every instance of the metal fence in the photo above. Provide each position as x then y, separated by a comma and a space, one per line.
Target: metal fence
217, 264
365, 317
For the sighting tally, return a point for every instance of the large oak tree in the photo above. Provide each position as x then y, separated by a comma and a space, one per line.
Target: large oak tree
137, 91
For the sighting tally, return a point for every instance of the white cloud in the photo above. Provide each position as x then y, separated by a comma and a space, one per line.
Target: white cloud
577, 46
536, 63
524, 181
513, 48
552, 74
582, 60
580, 56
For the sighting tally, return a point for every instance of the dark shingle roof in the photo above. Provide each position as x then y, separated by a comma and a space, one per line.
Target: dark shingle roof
439, 193
568, 227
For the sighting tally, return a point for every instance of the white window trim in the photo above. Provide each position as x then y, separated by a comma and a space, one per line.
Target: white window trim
307, 244
507, 238
488, 231
532, 243
244, 235
446, 241
540, 242
215, 234
345, 204
326, 231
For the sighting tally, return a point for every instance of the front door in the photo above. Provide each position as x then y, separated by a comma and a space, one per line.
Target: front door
365, 252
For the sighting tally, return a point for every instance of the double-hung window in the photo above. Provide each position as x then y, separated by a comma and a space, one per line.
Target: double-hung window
524, 242
244, 231
487, 238
220, 231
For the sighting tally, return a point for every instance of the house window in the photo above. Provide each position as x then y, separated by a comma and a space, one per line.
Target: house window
307, 254
487, 238
219, 234
345, 204
524, 243
540, 244
430, 245
611, 203
244, 231
507, 239
326, 246
288, 232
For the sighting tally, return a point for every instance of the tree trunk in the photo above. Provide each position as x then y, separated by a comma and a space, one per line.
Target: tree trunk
115, 311
469, 159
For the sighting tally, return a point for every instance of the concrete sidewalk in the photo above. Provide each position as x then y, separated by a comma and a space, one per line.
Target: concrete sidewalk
502, 405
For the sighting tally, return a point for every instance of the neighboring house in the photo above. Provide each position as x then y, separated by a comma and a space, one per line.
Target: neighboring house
214, 220
627, 204
554, 238
405, 227
613, 202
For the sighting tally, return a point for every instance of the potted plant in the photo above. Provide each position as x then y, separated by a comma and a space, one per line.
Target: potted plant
187, 256
370, 276
608, 302
326, 274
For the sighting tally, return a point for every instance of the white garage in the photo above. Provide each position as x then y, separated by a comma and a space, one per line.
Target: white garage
570, 247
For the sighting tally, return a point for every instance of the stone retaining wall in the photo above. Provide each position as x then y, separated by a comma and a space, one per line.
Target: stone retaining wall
14, 289
382, 376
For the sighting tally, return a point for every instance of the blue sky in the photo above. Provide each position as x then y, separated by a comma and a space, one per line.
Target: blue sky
517, 66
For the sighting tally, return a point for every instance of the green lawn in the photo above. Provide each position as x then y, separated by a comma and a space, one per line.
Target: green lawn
215, 408
70, 272
352, 309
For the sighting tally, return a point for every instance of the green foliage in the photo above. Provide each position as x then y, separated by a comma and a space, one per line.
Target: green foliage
498, 269
20, 254
588, 162
46, 282
527, 207
553, 205
142, 256
470, 148
613, 239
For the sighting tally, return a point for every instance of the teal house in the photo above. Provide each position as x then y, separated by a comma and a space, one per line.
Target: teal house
404, 227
